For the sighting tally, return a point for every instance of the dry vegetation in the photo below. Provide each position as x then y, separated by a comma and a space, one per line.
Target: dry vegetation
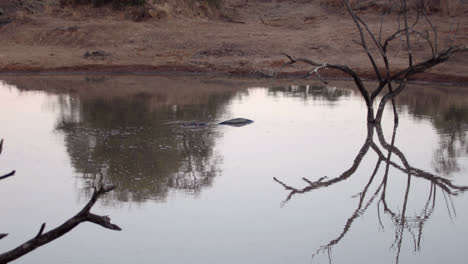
229, 36
443, 7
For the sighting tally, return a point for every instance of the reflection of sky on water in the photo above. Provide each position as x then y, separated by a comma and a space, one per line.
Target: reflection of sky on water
238, 218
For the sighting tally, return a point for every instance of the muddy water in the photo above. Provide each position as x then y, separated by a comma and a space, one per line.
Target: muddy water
207, 194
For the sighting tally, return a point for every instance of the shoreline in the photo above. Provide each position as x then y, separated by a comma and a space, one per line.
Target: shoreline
82, 41
185, 70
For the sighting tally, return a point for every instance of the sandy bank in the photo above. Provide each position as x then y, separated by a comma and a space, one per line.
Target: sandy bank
247, 40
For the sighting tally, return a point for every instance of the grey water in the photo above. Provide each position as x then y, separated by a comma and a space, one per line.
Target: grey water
207, 194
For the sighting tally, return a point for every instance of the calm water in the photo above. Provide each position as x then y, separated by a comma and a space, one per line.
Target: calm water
206, 194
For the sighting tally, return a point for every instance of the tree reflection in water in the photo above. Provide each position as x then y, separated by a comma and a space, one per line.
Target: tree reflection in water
127, 131
447, 109
327, 94
452, 126
142, 150
412, 225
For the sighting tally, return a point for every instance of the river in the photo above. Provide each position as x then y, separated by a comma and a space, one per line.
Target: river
192, 193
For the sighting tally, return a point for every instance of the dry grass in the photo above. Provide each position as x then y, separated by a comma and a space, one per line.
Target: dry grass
444, 7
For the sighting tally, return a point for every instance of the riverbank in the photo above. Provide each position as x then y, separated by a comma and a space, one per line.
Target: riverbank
247, 38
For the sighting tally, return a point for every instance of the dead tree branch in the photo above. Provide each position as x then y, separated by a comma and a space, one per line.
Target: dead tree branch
383, 73
43, 238
7, 175
343, 68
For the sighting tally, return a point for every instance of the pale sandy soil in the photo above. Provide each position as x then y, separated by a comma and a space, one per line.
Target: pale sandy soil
247, 38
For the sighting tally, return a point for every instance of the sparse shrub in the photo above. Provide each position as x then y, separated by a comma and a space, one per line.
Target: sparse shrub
445, 7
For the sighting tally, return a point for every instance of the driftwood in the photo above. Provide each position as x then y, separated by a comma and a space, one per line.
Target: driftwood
384, 75
43, 238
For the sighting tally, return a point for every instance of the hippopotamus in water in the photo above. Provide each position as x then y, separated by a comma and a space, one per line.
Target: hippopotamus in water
238, 122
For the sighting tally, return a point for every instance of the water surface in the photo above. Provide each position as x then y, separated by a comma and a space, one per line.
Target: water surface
206, 194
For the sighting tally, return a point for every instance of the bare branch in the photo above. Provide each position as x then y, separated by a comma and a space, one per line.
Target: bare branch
408, 41
316, 71
43, 238
8, 175
434, 30
363, 40
343, 68
41, 230
399, 31
429, 63
389, 96
381, 26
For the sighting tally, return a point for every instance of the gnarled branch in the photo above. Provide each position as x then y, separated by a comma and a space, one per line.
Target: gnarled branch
43, 238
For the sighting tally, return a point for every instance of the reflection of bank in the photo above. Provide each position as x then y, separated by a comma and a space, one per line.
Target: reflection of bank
404, 223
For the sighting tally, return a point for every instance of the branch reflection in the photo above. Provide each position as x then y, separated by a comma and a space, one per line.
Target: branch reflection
403, 222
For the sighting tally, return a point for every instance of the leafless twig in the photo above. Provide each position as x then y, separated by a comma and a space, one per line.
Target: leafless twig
43, 238
384, 74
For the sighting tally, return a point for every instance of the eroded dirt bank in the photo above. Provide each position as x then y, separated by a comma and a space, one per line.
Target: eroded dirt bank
243, 38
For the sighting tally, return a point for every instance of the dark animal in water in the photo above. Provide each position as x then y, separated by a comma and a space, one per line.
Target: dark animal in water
237, 122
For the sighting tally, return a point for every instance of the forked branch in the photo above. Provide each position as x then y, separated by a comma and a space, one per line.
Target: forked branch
384, 74
43, 238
